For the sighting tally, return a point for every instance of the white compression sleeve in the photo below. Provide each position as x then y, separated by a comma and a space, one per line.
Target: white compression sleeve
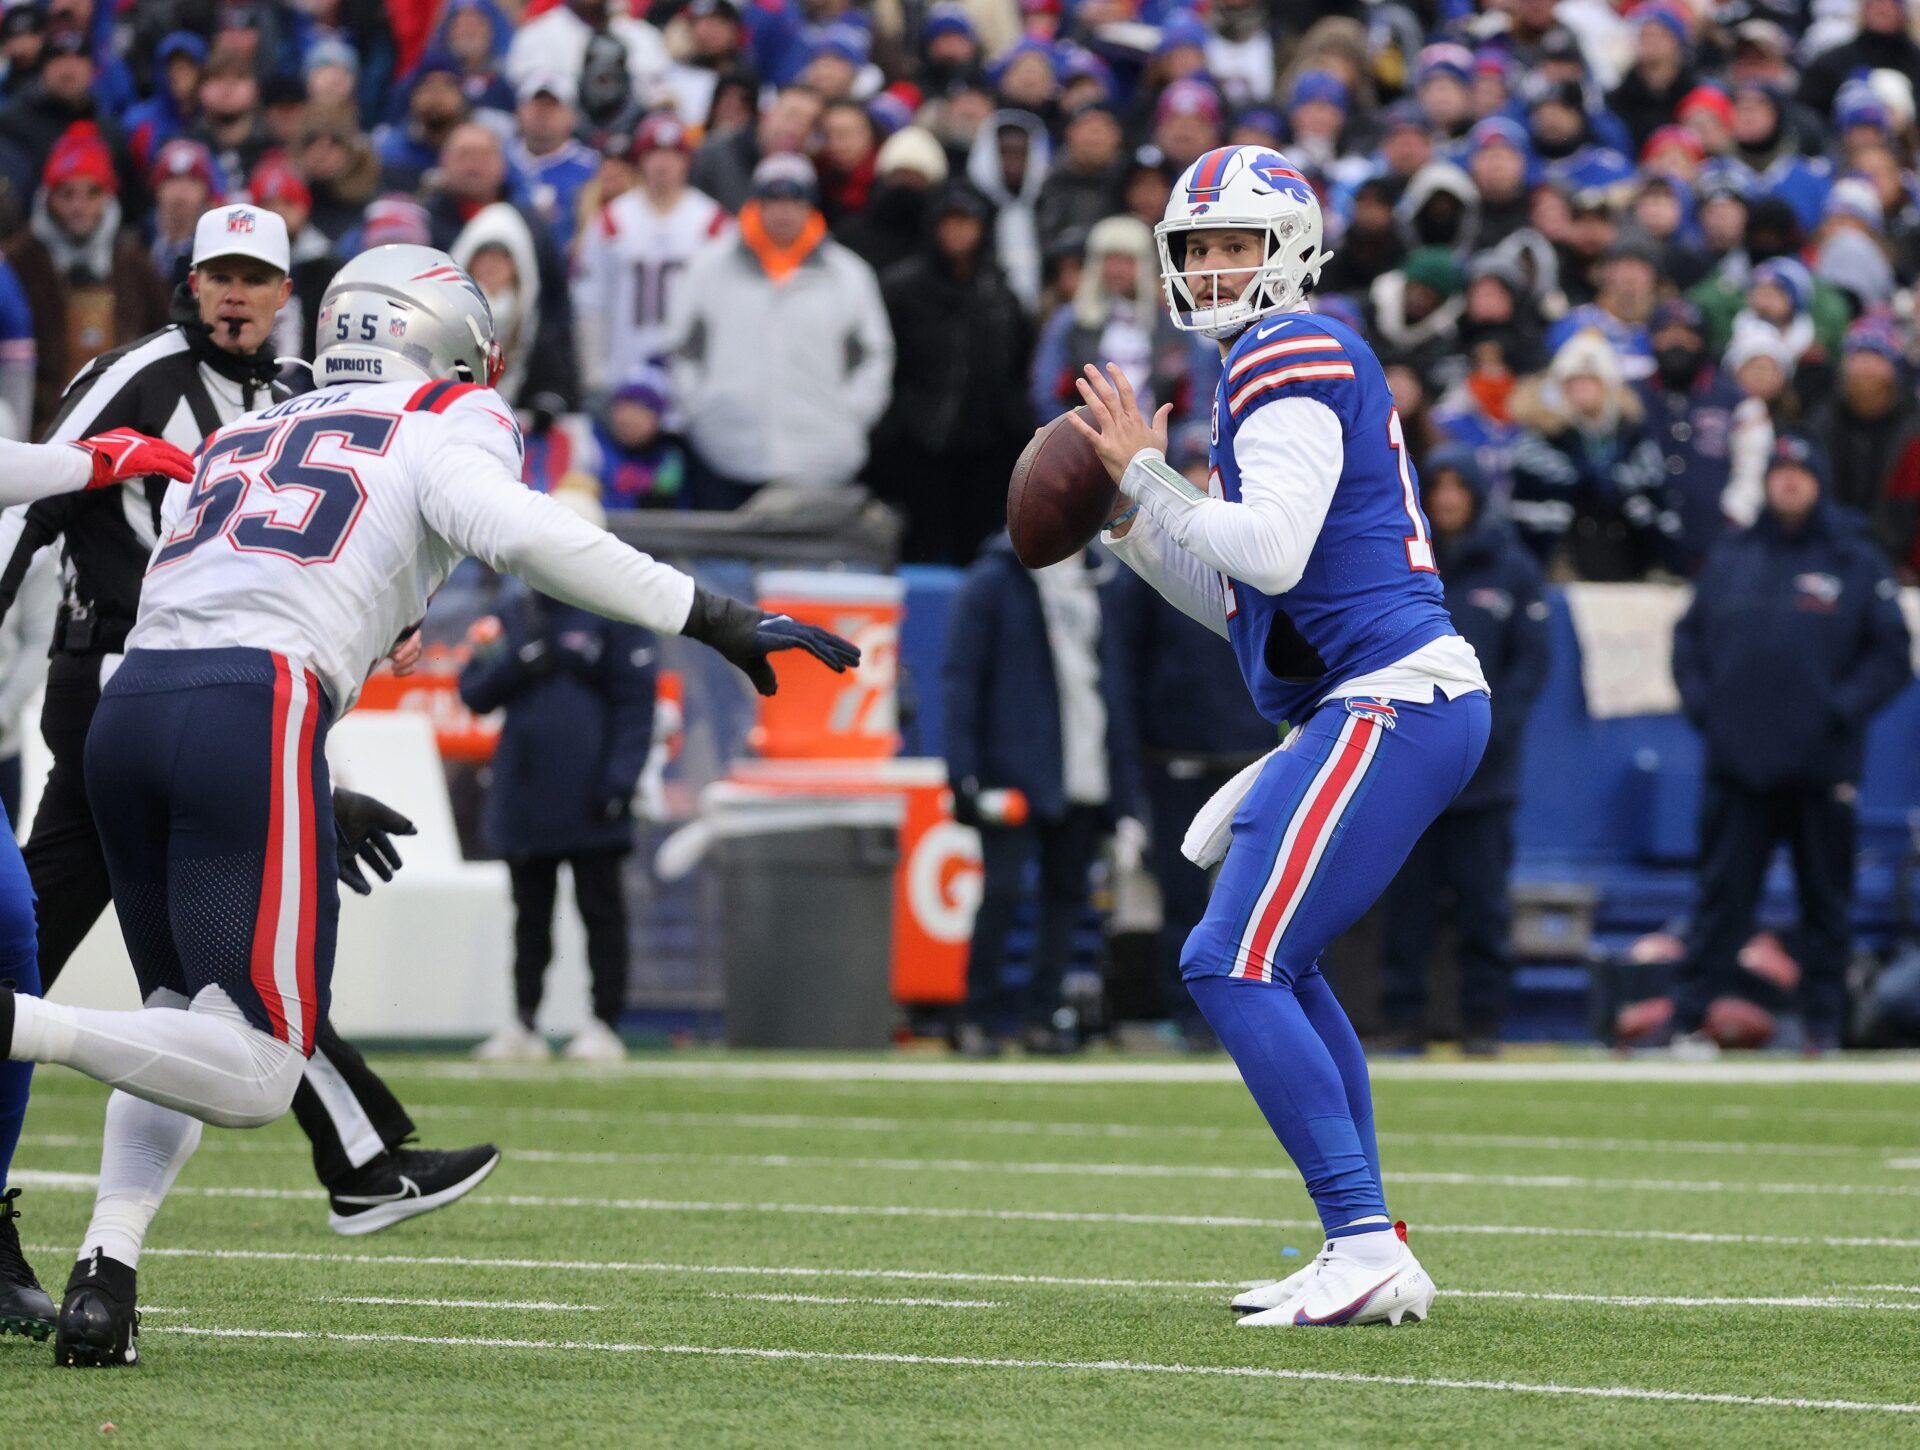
146, 1146
30, 471
1290, 453
207, 1061
1182, 580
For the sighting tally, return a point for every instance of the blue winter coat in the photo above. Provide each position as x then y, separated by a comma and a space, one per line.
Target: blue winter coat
1493, 592
1179, 681
1693, 429
1793, 641
579, 694
1001, 702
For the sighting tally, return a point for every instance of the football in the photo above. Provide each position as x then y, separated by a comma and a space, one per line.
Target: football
1059, 495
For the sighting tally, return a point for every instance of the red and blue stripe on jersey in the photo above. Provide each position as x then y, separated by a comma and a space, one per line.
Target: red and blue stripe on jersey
1368, 595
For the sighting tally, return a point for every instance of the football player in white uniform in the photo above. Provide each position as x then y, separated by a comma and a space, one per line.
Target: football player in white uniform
312, 535
632, 254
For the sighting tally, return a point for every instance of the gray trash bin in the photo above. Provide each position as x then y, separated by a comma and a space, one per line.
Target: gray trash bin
799, 898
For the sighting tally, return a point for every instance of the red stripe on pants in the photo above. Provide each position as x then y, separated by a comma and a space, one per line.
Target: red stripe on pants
309, 997
1319, 809
266, 921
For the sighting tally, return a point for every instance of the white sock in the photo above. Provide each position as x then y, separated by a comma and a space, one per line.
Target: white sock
146, 1146
1380, 1248
207, 1061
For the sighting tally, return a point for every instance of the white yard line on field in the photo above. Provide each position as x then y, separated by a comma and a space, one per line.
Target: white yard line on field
1072, 1366
1903, 1163
1014, 1127
85, 1182
804, 1272
1878, 1068
545, 1306
846, 1299
1218, 1172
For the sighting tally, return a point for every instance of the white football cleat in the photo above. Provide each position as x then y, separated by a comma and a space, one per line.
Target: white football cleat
1342, 1290
596, 1042
1272, 1296
513, 1043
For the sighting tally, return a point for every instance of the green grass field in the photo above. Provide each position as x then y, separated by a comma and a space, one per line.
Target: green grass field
742, 1250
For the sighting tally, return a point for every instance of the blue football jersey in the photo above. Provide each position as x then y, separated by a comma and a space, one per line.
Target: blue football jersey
1371, 593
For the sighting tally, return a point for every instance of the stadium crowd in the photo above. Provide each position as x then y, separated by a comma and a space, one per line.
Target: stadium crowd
1610, 249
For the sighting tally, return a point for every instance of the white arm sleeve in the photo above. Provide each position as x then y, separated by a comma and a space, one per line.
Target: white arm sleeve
1291, 452
473, 501
1181, 579
30, 471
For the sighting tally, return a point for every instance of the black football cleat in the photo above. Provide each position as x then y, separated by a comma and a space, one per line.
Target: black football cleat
405, 1183
99, 1326
25, 1307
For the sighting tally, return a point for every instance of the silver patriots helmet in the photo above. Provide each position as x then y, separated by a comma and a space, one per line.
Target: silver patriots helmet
405, 313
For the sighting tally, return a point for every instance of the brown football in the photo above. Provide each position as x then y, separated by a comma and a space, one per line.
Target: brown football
1059, 495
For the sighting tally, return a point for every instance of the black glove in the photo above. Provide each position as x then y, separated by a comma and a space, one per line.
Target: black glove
966, 803
745, 636
614, 807
363, 828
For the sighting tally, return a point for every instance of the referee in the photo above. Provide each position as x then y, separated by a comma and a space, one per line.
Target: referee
211, 365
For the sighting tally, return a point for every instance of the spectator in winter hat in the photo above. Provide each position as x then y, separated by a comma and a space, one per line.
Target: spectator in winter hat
1084, 183
39, 113
1500, 311
1629, 287
1707, 111
436, 104
1859, 116
1187, 122
1316, 120
1591, 492
1241, 51
1439, 208
476, 34
1040, 20
892, 228
1084, 78
1869, 427
23, 32
1882, 43
949, 45
1372, 245
1662, 71
276, 187
1689, 406
1498, 162
1025, 78
174, 106
1442, 86
1406, 143
959, 412
1761, 364
390, 221
1415, 313
1660, 216
1181, 49
723, 166
552, 165
1147, 186
112, 293
1340, 47
1493, 84
638, 465
1854, 261
331, 70
835, 61
343, 173
183, 186
1009, 162
1674, 151
715, 40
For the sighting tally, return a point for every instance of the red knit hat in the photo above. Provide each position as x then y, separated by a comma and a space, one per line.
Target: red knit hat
1710, 98
81, 153
274, 180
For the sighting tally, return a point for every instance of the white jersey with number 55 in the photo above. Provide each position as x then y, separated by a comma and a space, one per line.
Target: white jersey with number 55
319, 528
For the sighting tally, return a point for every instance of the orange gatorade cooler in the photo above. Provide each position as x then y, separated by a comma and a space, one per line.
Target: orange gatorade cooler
819, 715
936, 886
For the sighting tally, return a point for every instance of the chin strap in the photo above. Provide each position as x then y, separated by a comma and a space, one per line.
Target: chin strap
297, 362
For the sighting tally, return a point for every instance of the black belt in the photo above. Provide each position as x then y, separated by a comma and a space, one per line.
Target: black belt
82, 632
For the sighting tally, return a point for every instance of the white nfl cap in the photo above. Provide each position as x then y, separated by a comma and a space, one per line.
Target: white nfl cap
242, 231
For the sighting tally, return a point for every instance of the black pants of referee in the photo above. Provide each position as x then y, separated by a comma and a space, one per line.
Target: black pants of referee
1739, 829
344, 1108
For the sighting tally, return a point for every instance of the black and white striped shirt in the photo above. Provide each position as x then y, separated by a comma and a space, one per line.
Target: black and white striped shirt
174, 384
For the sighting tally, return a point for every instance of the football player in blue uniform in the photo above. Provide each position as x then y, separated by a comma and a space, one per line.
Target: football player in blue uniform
1309, 552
